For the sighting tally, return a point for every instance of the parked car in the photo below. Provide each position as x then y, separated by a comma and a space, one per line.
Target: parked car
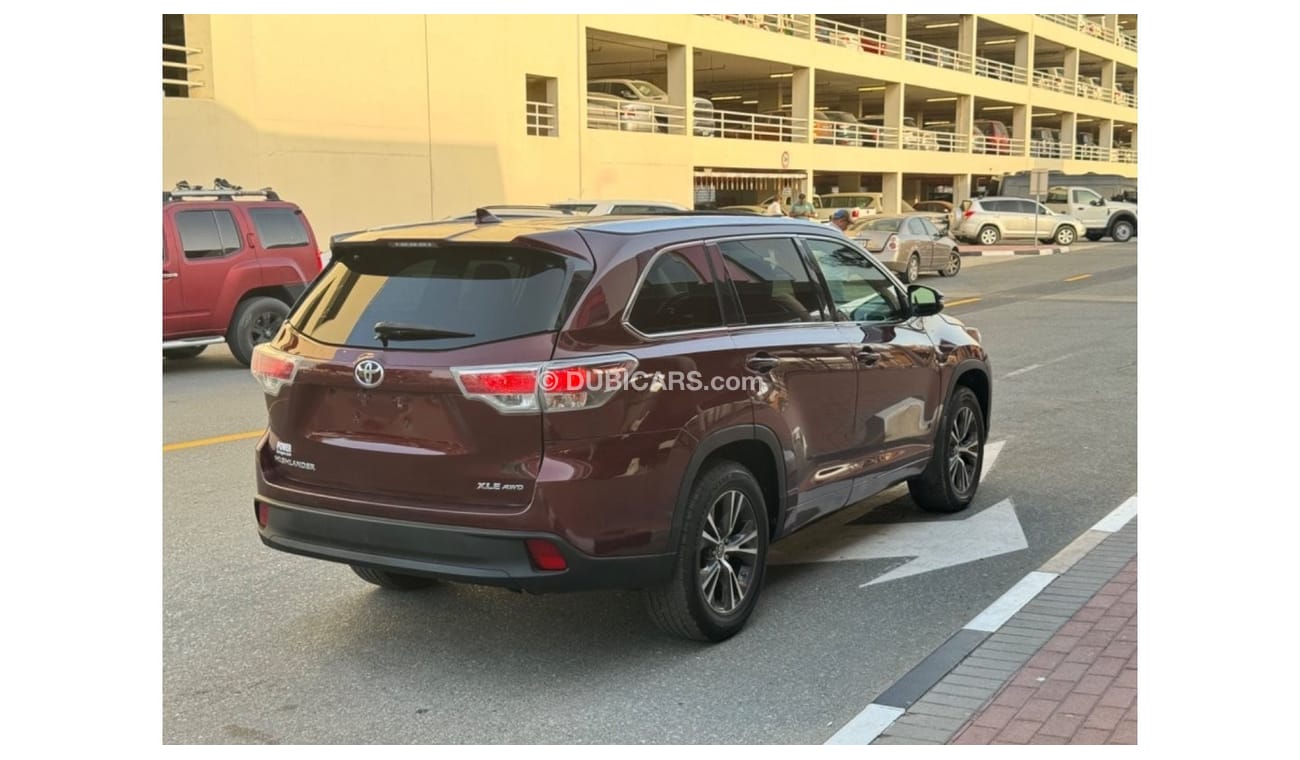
1053, 78
990, 136
234, 262
847, 130
498, 404
747, 210
907, 244
609, 112
862, 203
1115, 219
649, 94
912, 136
989, 220
617, 207
1045, 143
939, 213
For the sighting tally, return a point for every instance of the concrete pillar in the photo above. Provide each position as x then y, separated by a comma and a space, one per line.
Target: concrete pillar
1108, 74
802, 90
1069, 134
1072, 68
894, 113
1020, 124
1110, 21
1106, 137
960, 192
891, 191
681, 72
896, 27
1133, 143
964, 123
1025, 55
966, 27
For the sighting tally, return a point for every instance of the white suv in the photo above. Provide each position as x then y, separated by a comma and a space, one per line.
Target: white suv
988, 220
641, 91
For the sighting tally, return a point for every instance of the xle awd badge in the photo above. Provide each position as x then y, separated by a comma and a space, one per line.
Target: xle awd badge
368, 373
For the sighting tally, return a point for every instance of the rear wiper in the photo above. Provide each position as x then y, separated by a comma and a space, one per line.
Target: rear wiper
386, 331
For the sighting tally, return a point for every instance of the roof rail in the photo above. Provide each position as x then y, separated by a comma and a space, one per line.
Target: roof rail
221, 190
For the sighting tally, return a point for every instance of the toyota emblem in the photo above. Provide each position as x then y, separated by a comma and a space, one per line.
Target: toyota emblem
369, 373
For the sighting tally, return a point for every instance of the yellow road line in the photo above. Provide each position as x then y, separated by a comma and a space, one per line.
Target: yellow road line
1077, 277
962, 302
210, 441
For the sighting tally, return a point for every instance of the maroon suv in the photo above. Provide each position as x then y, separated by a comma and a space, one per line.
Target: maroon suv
636, 403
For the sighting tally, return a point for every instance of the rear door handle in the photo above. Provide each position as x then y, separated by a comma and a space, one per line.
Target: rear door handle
761, 363
170, 275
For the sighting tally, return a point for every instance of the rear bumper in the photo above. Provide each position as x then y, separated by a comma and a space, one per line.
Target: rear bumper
487, 557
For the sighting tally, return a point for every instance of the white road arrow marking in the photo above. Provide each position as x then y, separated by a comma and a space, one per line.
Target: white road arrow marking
932, 545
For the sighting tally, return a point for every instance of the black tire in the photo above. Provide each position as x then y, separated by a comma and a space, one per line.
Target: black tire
954, 266
186, 352
1094, 236
940, 488
1064, 235
394, 581
256, 321
913, 270
1121, 231
988, 235
682, 606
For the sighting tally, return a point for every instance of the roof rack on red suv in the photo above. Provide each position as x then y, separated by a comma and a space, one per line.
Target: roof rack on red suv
556, 404
234, 261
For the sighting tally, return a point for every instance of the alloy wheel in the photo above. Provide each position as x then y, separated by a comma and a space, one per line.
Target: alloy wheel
963, 450
728, 553
265, 325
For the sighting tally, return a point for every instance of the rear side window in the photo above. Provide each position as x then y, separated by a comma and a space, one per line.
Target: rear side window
678, 293
771, 281
491, 292
207, 234
916, 227
279, 227
1057, 196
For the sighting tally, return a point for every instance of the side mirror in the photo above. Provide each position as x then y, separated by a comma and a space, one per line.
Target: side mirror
925, 300
1099, 202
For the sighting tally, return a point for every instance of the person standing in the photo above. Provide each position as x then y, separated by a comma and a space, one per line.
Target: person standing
774, 208
803, 209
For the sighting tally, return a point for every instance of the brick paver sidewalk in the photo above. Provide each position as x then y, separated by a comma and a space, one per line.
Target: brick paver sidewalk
1080, 688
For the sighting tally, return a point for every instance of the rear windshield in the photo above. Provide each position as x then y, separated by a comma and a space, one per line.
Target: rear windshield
493, 292
883, 225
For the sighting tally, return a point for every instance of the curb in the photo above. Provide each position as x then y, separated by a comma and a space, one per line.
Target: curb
893, 703
1048, 251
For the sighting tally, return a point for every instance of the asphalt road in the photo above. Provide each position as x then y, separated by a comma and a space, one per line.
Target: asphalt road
264, 647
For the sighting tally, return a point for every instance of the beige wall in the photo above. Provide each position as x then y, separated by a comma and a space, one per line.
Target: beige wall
368, 120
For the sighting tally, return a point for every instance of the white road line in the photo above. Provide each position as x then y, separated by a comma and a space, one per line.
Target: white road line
866, 725
1033, 367
997, 614
991, 452
1119, 517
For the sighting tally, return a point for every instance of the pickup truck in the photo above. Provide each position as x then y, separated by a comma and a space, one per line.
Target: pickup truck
1101, 218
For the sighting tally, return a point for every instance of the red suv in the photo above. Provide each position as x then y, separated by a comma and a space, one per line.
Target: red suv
234, 262
563, 404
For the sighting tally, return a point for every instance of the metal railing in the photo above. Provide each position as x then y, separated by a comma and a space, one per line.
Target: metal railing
184, 66
1046, 149
607, 112
541, 118
951, 142
935, 55
826, 132
997, 146
791, 24
1005, 72
739, 125
1124, 155
1089, 27
1088, 152
1052, 82
831, 32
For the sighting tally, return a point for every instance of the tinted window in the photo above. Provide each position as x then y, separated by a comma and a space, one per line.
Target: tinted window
677, 294
207, 234
638, 210
846, 201
930, 229
996, 207
883, 225
860, 291
1057, 196
1085, 197
493, 292
771, 281
915, 227
279, 227
579, 208
1021, 207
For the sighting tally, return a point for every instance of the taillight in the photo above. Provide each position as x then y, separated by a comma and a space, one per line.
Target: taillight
263, 511
550, 387
855, 213
273, 369
320, 262
545, 555
968, 213
892, 243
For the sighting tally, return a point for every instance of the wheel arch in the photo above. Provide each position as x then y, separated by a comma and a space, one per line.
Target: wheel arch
756, 448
